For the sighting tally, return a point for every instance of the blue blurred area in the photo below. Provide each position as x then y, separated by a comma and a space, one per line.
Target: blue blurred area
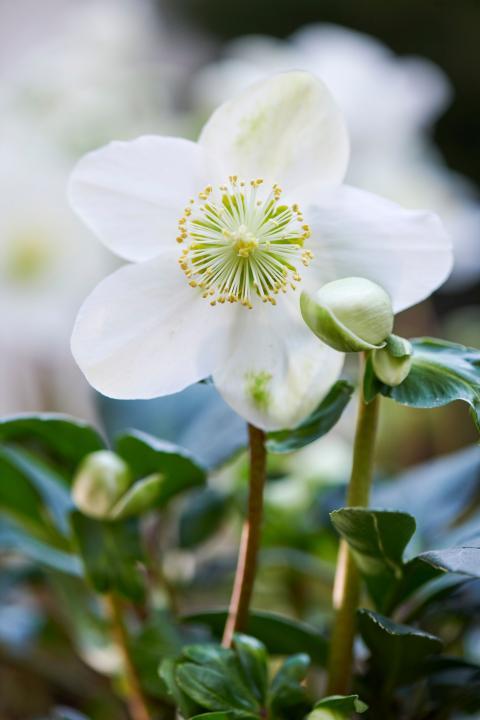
196, 418
437, 493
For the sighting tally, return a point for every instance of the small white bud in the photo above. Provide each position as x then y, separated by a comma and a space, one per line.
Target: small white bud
393, 363
100, 481
351, 315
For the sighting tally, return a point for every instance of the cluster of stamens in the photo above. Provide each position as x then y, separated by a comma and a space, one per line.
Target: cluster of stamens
239, 244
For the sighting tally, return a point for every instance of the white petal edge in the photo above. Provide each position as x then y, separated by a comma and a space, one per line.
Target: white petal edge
286, 129
132, 194
357, 233
144, 332
276, 371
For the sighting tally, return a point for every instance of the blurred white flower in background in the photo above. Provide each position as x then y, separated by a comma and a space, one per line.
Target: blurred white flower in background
73, 74
47, 262
100, 67
390, 104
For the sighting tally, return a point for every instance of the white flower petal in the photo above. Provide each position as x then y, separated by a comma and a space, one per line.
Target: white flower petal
132, 194
276, 371
286, 130
144, 332
355, 233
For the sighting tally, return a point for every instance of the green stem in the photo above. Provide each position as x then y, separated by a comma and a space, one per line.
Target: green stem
137, 703
346, 591
250, 540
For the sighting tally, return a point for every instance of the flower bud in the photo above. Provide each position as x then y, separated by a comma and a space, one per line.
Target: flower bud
392, 363
350, 315
100, 481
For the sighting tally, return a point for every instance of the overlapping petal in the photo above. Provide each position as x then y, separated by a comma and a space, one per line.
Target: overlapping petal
276, 371
355, 233
143, 332
132, 194
287, 130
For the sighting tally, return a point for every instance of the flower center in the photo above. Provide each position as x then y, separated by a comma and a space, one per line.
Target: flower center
242, 243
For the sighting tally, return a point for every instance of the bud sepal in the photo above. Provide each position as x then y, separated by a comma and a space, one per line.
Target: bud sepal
392, 364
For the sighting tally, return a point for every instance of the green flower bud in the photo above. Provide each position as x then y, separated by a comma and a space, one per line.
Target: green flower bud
350, 315
392, 363
100, 481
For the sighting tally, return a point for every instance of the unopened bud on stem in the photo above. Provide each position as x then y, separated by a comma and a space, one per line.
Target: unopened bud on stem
351, 315
100, 481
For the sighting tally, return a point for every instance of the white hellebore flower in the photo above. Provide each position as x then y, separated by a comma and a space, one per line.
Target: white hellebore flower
225, 233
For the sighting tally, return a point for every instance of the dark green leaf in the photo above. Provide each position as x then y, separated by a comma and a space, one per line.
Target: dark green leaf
148, 456
455, 685
463, 560
441, 373
253, 659
416, 574
225, 662
214, 689
337, 707
14, 539
157, 639
111, 553
168, 671
378, 539
287, 689
398, 652
44, 479
67, 438
202, 516
22, 502
279, 634
317, 424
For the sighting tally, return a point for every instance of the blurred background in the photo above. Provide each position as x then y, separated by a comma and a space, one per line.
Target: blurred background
75, 74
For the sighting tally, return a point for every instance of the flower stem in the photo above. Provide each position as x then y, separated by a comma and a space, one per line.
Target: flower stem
250, 540
137, 703
346, 590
